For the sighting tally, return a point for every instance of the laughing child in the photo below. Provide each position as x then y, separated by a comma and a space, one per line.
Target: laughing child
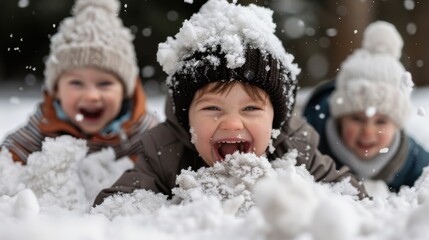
361, 116
232, 85
92, 88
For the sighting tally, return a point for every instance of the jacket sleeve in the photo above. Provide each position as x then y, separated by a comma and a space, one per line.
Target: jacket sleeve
129, 181
142, 176
299, 135
417, 160
24, 141
152, 171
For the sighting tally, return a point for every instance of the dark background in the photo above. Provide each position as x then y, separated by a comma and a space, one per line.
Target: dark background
320, 34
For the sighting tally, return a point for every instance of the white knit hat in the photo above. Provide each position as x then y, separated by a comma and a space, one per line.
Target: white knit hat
372, 79
93, 37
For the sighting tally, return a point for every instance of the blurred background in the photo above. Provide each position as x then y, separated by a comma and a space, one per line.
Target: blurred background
319, 33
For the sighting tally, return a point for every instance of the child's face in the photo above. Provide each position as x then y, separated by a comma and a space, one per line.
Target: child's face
366, 136
230, 121
91, 98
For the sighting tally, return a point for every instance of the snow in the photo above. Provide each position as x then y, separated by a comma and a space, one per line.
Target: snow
230, 26
244, 198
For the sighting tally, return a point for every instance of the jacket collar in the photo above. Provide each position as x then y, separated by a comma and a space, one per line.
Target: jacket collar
178, 130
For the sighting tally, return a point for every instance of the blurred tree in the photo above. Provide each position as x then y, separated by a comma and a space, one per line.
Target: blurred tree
322, 33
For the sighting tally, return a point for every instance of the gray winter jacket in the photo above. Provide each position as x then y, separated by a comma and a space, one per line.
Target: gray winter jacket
167, 148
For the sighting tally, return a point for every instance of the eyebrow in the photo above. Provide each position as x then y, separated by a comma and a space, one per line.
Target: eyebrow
205, 98
71, 74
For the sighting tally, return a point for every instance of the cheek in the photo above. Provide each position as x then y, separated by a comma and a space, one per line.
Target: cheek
261, 130
386, 138
68, 104
349, 133
115, 102
114, 95
262, 136
201, 138
65, 95
201, 135
201, 128
266, 133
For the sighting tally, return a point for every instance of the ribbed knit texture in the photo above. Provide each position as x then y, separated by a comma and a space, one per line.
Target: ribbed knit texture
93, 37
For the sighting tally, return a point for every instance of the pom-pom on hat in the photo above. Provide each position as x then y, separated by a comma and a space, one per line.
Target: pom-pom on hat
225, 42
93, 37
372, 79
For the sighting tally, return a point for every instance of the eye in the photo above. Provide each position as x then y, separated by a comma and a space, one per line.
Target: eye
357, 118
211, 108
381, 121
105, 83
252, 108
75, 82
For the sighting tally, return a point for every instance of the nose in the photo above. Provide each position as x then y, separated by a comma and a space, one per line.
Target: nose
92, 94
231, 123
368, 131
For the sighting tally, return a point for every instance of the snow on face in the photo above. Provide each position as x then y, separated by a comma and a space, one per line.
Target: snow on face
370, 111
230, 26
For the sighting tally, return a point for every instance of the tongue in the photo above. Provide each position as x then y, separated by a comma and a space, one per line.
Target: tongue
228, 148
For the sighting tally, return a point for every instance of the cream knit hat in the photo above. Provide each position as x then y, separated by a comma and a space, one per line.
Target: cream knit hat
372, 79
93, 37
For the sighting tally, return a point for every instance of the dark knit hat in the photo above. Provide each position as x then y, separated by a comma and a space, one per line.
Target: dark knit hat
226, 42
260, 69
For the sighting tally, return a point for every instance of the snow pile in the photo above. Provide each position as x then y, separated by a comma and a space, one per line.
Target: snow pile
245, 197
139, 202
231, 181
61, 175
11, 174
52, 173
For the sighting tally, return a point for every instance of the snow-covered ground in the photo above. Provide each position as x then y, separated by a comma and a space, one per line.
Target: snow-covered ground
245, 198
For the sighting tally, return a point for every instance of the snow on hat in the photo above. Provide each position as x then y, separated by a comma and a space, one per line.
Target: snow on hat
224, 42
93, 37
372, 79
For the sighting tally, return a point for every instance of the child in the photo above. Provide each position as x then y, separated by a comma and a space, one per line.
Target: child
232, 87
92, 89
361, 116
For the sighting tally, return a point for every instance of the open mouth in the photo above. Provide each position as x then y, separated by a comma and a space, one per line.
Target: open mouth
223, 148
366, 145
91, 114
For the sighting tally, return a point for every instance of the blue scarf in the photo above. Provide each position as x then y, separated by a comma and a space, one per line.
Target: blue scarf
113, 127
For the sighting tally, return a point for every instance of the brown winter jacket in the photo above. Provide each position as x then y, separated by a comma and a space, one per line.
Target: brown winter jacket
45, 123
167, 148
